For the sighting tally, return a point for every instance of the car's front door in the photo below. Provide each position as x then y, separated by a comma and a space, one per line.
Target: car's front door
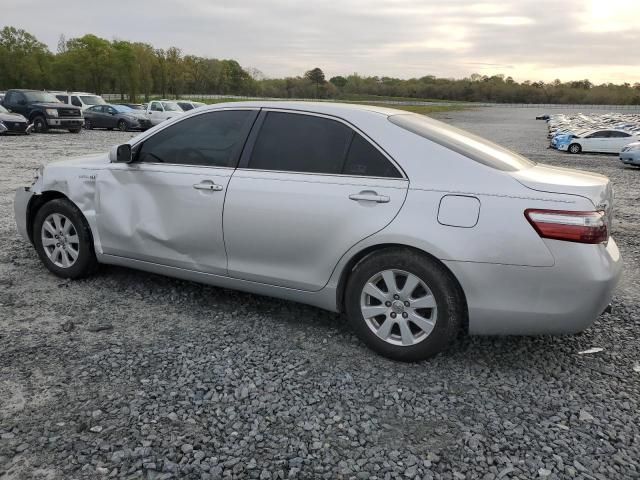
110, 116
166, 206
308, 188
594, 142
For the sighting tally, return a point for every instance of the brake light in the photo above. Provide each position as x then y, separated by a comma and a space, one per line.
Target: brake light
580, 227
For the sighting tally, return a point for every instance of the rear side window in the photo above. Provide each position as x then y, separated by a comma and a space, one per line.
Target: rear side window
300, 143
465, 143
213, 140
63, 98
364, 159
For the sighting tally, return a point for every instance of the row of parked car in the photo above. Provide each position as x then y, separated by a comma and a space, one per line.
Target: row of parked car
596, 133
24, 111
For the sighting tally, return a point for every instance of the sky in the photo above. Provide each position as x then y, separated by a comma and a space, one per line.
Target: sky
525, 39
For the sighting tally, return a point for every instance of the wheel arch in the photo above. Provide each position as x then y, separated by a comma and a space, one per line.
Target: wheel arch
372, 250
38, 201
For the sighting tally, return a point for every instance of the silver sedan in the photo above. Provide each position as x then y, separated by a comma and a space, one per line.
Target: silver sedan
416, 230
630, 154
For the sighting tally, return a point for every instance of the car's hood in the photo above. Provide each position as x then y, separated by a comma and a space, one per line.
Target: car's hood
545, 178
52, 105
12, 117
96, 160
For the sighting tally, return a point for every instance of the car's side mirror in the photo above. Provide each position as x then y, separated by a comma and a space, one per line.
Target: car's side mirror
121, 154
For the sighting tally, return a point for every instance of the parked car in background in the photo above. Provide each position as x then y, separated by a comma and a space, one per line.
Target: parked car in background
161, 110
134, 106
116, 116
44, 110
1, 96
597, 141
13, 122
79, 99
630, 154
187, 105
414, 228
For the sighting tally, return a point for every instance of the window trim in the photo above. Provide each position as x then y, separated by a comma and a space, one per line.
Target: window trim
257, 127
181, 118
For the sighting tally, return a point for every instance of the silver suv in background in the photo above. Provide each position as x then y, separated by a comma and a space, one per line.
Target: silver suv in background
83, 100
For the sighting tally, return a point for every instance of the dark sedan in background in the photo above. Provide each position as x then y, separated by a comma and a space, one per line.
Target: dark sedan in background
116, 116
13, 122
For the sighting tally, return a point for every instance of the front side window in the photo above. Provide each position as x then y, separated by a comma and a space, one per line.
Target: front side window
76, 101
185, 106
156, 107
598, 135
213, 140
300, 143
63, 98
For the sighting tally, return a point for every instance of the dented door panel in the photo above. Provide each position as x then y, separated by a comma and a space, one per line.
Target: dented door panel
166, 214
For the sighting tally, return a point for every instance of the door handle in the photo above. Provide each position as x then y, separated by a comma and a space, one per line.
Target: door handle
212, 187
368, 196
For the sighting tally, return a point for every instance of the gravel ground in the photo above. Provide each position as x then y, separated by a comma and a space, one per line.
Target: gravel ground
133, 375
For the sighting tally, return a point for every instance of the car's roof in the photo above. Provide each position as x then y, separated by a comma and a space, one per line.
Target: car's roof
331, 108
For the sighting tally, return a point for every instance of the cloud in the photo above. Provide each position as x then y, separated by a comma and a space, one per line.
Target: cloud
535, 39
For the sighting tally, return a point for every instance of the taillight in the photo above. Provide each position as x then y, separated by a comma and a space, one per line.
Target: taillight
581, 227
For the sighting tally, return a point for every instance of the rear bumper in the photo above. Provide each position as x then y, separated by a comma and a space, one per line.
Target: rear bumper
20, 205
565, 298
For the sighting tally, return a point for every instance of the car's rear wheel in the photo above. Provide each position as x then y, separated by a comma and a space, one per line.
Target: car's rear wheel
404, 305
62, 238
40, 124
122, 126
574, 148
87, 124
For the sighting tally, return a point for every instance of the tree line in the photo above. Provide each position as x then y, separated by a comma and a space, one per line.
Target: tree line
137, 70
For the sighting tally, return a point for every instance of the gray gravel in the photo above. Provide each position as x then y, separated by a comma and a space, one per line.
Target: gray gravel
133, 375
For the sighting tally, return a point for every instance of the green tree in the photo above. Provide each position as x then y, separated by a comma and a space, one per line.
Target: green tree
316, 75
338, 81
24, 61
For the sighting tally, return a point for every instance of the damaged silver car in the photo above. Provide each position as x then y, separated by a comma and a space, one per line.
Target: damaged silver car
416, 230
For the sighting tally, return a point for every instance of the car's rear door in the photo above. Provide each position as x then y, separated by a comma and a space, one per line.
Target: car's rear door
166, 207
96, 116
308, 188
618, 140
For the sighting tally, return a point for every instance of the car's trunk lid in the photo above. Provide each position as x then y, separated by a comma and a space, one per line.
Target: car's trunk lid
545, 178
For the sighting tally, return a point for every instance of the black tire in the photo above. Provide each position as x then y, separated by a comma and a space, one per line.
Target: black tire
85, 263
87, 124
451, 309
40, 124
122, 126
574, 148
75, 130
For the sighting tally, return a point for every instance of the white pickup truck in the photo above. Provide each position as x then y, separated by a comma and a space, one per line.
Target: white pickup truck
161, 110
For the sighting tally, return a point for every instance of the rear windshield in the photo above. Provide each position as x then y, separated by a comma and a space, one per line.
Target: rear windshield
465, 143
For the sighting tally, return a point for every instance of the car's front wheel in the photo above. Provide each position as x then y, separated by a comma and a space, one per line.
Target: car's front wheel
62, 238
40, 124
574, 148
122, 126
404, 305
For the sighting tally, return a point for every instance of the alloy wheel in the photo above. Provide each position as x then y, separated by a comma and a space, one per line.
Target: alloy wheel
398, 307
60, 240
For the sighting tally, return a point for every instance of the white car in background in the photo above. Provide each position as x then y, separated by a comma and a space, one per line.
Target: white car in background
83, 100
161, 110
599, 141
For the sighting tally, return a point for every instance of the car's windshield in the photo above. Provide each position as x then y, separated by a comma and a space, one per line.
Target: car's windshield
92, 100
171, 107
41, 97
122, 108
465, 143
3, 110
